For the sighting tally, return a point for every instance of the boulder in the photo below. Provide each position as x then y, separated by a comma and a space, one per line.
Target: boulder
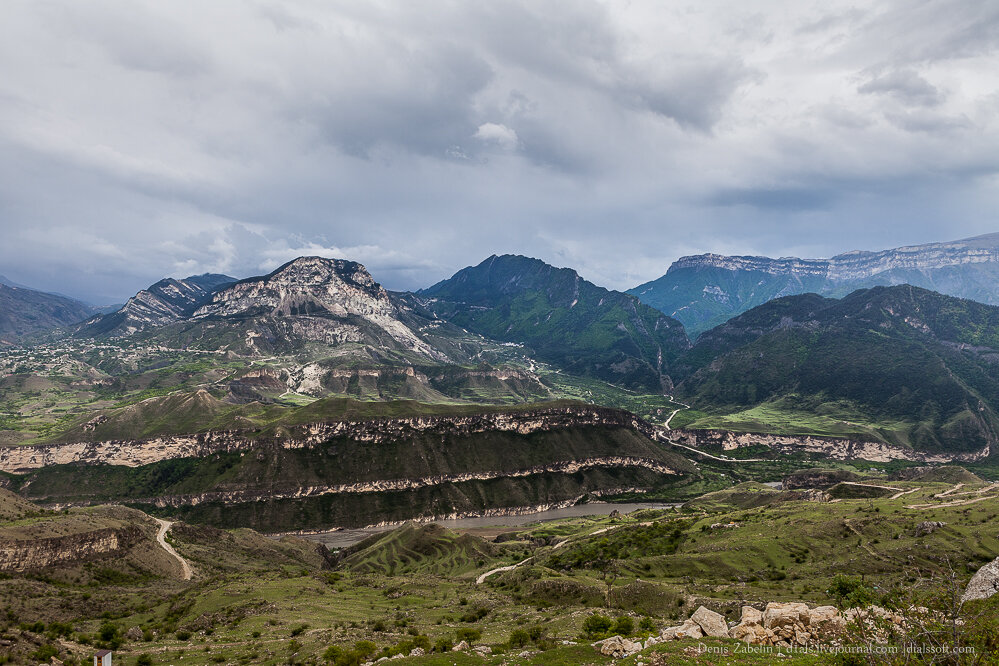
755, 634
984, 583
461, 647
134, 634
618, 647
929, 527
710, 622
689, 629
417, 652
826, 622
787, 621
751, 616
779, 615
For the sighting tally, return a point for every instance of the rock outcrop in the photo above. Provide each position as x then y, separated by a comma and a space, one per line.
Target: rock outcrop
133, 453
984, 583
33, 554
780, 624
827, 447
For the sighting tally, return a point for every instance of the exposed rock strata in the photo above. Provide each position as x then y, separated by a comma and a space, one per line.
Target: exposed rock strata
829, 447
389, 485
34, 554
133, 453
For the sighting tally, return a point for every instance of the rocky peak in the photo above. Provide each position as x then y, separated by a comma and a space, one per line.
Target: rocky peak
164, 302
304, 286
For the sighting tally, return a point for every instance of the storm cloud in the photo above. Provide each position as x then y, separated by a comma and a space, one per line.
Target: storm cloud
141, 139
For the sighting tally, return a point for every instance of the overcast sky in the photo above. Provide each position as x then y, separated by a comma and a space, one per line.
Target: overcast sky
140, 139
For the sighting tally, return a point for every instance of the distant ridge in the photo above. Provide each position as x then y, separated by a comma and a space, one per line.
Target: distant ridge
705, 290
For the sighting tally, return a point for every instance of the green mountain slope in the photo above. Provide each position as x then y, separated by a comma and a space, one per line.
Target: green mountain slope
26, 312
566, 321
900, 364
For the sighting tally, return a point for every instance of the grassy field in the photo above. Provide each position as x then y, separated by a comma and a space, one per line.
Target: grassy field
259, 600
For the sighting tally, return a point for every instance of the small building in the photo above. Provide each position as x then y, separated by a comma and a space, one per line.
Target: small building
102, 658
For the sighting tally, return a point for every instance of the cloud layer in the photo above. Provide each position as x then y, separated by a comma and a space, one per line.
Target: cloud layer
140, 139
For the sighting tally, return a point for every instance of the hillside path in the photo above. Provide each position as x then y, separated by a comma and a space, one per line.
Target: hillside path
708, 455
161, 538
481, 579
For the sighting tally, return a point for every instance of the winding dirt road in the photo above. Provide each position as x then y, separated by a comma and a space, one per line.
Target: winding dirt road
161, 539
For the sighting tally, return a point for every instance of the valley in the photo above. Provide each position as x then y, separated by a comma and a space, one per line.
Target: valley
303, 467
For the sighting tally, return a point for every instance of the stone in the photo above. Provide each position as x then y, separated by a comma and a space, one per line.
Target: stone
461, 647
417, 652
134, 634
618, 647
984, 583
826, 622
711, 623
690, 629
751, 615
929, 527
780, 617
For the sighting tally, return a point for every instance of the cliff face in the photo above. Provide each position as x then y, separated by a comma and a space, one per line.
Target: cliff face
330, 289
133, 453
349, 473
703, 291
32, 554
165, 302
828, 447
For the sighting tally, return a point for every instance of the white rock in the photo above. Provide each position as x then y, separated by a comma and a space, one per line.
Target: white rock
711, 623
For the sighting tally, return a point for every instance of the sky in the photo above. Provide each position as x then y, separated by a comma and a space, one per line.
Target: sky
141, 139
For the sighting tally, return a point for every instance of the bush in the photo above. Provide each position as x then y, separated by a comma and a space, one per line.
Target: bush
519, 638
851, 592
648, 624
597, 626
144, 659
624, 626
183, 635
299, 629
469, 635
443, 644
45, 652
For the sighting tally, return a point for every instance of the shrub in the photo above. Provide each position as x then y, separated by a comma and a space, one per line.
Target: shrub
184, 635
443, 644
144, 659
469, 635
624, 626
299, 629
851, 592
596, 625
519, 638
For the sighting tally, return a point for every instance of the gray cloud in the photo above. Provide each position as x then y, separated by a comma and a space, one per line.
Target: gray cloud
140, 139
904, 85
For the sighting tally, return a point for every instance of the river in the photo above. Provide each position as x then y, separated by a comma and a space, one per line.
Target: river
342, 538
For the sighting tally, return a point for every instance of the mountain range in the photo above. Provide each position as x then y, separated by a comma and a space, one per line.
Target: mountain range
705, 290
901, 365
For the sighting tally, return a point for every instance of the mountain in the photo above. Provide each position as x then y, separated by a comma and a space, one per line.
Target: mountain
899, 364
26, 312
564, 320
705, 290
165, 302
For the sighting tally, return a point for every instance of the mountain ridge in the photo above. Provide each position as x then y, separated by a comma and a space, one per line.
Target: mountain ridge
704, 290
563, 318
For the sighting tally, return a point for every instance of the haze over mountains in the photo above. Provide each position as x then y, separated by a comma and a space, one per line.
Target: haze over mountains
705, 290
